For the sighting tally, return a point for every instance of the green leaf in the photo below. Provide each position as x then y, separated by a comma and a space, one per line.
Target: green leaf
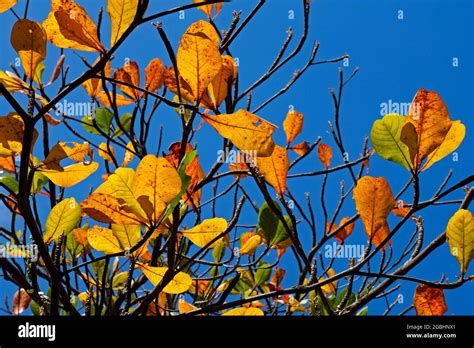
263, 273
126, 122
9, 182
182, 111
35, 308
39, 180
363, 312
386, 139
62, 219
103, 119
270, 226
218, 251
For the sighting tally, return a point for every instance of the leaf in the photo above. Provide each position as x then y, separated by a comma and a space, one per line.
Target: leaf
69, 26
275, 168
198, 57
129, 154
21, 301
386, 139
450, 143
11, 134
70, 175
219, 87
107, 209
263, 273
62, 219
7, 164
293, 125
130, 74
9, 182
330, 288
244, 311
208, 9
206, 231
429, 301
5, 5
28, 38
128, 236
103, 119
107, 152
248, 132
12, 82
77, 152
325, 155
185, 307
343, 233
93, 86
270, 226
103, 240
120, 100
38, 77
121, 13
430, 117
155, 184
119, 186
154, 75
181, 282
301, 148
460, 237
249, 242
374, 202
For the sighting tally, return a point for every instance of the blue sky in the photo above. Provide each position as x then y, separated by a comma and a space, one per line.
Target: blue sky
396, 57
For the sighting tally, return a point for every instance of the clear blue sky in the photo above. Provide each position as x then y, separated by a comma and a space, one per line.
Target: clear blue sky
396, 57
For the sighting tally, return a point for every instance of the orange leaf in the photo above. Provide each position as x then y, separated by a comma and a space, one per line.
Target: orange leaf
343, 233
301, 148
400, 209
275, 168
154, 75
374, 202
94, 85
429, 301
21, 301
293, 125
120, 100
325, 154
220, 85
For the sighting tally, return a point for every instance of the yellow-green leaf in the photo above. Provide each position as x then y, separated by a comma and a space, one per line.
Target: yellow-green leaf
103, 240
62, 219
460, 237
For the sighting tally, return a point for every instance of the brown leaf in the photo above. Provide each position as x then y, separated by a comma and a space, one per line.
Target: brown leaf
429, 301
21, 302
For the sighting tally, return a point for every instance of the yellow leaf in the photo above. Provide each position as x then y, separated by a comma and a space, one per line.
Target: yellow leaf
5, 5
429, 301
94, 85
220, 85
103, 240
198, 58
460, 237
62, 219
70, 175
275, 168
107, 209
77, 152
208, 9
119, 186
249, 242
330, 288
185, 307
128, 154
154, 75
120, 99
155, 184
181, 282
28, 38
107, 152
69, 26
430, 117
244, 311
293, 125
325, 155
374, 202
206, 231
450, 143
121, 13
248, 132
11, 134
12, 82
